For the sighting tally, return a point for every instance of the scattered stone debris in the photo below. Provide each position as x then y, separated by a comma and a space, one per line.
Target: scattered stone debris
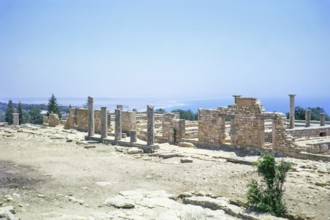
120, 202
89, 146
7, 213
75, 200
134, 150
224, 204
161, 206
186, 160
166, 155
185, 144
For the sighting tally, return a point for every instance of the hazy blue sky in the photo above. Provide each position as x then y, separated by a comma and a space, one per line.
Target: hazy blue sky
164, 48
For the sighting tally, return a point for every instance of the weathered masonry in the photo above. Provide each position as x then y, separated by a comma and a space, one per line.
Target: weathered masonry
247, 126
244, 124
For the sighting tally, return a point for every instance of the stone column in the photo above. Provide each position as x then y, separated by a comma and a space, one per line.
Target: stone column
15, 118
181, 130
308, 118
109, 121
236, 97
222, 135
133, 136
91, 125
261, 133
322, 119
118, 124
150, 125
274, 134
120, 107
104, 122
291, 114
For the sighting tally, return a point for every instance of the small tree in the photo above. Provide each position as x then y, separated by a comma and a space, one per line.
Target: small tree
267, 196
35, 116
9, 112
53, 106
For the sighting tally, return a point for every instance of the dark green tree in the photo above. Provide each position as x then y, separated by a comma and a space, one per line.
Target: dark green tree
315, 113
267, 196
53, 106
9, 112
35, 116
299, 113
20, 111
160, 110
186, 114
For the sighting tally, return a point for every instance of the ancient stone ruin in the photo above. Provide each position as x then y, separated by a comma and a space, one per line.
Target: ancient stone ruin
244, 125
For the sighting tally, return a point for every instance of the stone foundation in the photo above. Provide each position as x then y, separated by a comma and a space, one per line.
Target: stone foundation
317, 131
53, 120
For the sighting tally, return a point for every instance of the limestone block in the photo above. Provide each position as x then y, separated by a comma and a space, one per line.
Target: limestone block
53, 120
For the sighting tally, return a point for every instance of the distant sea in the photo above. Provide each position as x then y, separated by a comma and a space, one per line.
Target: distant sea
270, 104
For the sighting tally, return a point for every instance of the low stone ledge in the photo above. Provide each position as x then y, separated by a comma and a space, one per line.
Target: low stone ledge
145, 148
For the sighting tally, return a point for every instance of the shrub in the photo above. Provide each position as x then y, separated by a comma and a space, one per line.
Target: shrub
267, 196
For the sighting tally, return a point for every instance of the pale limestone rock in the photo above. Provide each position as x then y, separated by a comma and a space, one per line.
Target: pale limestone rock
185, 144
134, 150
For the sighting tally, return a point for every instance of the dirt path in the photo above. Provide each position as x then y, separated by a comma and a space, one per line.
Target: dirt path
43, 176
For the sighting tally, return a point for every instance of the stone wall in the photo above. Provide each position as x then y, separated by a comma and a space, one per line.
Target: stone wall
78, 119
246, 129
173, 129
82, 119
71, 120
316, 131
53, 120
97, 121
247, 126
211, 128
167, 126
128, 121
300, 132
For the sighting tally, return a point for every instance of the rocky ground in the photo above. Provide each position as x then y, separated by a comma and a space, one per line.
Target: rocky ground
52, 173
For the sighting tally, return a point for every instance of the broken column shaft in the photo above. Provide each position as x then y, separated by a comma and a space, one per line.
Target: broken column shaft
292, 111
104, 122
308, 118
236, 97
150, 125
118, 124
15, 118
91, 125
322, 119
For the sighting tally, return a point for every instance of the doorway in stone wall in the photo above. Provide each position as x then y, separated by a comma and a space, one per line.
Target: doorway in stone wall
268, 128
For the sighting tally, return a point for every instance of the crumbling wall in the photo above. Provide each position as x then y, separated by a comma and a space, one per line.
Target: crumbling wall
82, 120
211, 128
173, 129
53, 120
167, 125
316, 131
97, 121
247, 126
128, 121
70, 121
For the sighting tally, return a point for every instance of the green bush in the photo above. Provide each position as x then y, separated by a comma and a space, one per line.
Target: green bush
267, 196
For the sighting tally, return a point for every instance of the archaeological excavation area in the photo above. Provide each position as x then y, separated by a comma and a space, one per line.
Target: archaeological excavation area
127, 164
